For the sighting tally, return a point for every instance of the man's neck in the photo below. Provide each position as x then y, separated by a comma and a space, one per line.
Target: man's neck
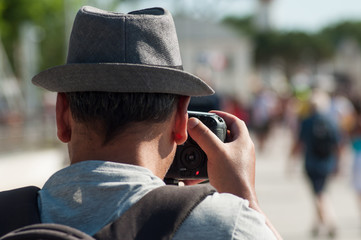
155, 153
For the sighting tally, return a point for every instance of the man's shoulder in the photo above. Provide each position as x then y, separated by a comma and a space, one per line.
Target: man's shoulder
222, 216
224, 205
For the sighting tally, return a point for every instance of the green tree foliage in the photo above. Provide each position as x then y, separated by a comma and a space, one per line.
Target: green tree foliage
48, 15
242, 25
339, 31
295, 47
292, 47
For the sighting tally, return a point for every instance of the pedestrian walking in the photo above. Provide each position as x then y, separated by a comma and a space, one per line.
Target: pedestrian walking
319, 141
355, 138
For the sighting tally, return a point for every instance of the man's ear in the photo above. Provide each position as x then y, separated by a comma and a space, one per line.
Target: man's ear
181, 119
63, 118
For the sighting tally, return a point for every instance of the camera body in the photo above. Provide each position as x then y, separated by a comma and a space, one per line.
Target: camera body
190, 161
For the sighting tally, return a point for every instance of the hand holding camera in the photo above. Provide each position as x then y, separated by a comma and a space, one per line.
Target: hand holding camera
190, 161
226, 158
231, 164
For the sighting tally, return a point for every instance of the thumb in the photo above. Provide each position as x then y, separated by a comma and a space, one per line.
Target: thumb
204, 137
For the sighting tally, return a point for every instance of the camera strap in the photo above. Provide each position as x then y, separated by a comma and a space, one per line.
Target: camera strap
158, 215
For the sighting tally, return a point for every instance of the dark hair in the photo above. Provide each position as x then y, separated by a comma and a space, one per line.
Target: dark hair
114, 111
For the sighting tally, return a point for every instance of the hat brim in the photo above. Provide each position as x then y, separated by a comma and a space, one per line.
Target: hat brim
118, 77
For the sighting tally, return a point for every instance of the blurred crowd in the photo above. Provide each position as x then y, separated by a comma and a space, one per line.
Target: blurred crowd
268, 110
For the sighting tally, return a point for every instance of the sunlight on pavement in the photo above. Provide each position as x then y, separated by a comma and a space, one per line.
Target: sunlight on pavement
29, 168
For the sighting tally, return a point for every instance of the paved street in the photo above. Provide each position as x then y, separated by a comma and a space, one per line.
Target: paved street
284, 196
29, 168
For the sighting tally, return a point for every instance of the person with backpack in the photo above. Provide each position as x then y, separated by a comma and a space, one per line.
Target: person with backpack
319, 140
122, 110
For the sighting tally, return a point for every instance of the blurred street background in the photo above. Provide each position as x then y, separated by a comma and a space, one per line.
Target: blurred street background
264, 58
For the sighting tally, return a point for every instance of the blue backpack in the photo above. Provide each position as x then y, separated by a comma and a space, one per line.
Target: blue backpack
323, 137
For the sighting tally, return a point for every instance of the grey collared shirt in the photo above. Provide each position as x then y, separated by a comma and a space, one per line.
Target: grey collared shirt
91, 194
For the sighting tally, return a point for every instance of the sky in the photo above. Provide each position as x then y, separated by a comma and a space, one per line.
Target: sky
304, 15
312, 15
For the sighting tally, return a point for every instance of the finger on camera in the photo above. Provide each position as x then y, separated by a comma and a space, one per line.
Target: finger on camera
235, 125
205, 138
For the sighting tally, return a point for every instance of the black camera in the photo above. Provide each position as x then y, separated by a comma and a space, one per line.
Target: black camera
190, 161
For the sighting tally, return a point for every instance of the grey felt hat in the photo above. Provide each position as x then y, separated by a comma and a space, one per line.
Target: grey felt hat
116, 52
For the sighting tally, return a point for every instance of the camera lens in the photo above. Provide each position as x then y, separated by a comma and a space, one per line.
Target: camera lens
192, 157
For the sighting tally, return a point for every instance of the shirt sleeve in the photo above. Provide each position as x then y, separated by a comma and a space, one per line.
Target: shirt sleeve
224, 216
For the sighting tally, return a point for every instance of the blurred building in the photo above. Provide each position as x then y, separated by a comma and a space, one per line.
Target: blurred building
263, 16
347, 64
11, 100
217, 55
